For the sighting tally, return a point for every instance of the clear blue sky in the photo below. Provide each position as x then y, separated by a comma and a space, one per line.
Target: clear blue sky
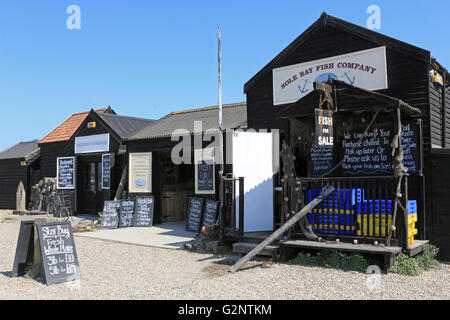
148, 58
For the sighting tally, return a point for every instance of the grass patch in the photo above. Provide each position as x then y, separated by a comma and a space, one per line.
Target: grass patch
415, 266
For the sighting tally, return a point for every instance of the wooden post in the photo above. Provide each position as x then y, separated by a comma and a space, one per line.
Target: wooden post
325, 193
123, 181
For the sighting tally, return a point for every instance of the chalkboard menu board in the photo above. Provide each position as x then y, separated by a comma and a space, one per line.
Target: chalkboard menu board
143, 214
411, 147
321, 161
126, 213
106, 171
373, 155
66, 173
210, 213
59, 255
24, 249
205, 177
195, 209
110, 216
204, 171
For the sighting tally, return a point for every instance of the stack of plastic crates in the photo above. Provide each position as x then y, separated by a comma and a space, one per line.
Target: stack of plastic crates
412, 219
370, 212
334, 215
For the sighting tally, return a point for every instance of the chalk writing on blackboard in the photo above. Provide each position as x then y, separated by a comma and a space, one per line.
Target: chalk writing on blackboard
66, 173
106, 171
143, 216
210, 213
58, 252
110, 215
126, 213
373, 154
195, 209
321, 161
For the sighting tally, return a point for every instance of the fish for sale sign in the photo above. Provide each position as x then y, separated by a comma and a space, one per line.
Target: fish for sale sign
364, 69
324, 128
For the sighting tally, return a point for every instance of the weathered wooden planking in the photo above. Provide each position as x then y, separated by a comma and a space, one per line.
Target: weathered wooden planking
362, 248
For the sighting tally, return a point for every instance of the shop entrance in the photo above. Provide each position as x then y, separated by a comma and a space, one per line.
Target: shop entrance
89, 185
177, 186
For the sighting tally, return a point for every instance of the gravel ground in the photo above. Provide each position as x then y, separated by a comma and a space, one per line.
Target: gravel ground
119, 271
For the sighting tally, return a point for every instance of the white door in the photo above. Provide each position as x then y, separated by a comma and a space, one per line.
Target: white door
253, 160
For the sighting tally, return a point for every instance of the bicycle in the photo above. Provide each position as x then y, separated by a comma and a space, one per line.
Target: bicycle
59, 205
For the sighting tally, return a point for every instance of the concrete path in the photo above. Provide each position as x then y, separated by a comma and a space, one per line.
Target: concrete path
166, 235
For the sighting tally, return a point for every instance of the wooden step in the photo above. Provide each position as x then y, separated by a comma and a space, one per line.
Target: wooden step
246, 247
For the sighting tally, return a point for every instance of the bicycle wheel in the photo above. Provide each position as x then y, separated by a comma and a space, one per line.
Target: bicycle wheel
65, 213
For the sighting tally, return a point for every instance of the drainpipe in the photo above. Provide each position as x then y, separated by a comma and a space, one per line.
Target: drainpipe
444, 122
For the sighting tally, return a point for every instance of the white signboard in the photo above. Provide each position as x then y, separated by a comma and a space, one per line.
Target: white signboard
365, 69
90, 144
253, 159
140, 173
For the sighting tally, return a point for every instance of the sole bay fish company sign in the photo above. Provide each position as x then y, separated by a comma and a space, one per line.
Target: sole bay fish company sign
365, 69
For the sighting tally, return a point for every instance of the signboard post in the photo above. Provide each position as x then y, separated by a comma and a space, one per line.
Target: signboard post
65, 176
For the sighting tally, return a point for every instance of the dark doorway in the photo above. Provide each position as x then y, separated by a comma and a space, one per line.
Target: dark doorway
90, 195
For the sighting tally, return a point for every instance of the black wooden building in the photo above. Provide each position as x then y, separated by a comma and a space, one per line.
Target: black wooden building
172, 183
18, 163
84, 140
411, 76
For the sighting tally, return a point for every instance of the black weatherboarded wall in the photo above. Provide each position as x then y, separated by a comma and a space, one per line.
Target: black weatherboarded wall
11, 173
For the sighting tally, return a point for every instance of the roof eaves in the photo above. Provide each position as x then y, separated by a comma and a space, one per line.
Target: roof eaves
327, 20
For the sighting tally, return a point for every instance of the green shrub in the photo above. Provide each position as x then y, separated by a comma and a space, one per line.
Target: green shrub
407, 266
353, 262
307, 259
427, 259
336, 260
356, 262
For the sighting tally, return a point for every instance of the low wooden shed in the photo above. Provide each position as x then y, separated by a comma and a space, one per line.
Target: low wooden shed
18, 163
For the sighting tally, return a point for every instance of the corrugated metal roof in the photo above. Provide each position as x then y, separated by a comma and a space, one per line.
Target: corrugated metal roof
234, 116
20, 150
66, 129
124, 126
